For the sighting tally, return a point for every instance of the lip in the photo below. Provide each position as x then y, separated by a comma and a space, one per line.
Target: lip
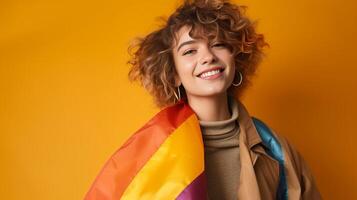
211, 69
212, 77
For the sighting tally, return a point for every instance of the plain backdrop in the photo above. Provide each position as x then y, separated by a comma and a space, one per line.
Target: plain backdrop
66, 104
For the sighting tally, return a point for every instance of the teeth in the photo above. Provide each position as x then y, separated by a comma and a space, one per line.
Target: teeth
210, 73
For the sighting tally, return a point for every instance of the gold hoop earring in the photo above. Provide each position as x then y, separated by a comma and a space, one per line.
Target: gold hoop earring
178, 97
240, 80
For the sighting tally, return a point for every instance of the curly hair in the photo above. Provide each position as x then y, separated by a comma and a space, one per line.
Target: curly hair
152, 59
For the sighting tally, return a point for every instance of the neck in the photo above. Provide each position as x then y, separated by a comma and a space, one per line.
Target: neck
210, 108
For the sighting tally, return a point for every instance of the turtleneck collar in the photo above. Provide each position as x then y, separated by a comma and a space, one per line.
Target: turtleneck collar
221, 134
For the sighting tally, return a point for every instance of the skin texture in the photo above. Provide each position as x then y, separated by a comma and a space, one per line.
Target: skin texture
208, 98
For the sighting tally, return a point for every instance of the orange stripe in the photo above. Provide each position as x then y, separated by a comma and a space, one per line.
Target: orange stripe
121, 168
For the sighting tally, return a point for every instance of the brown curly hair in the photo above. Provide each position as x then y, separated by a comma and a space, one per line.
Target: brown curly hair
152, 60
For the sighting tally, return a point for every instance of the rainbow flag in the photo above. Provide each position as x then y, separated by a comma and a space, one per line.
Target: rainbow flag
162, 160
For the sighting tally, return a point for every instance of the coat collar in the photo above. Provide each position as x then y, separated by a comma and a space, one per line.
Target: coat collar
252, 137
253, 140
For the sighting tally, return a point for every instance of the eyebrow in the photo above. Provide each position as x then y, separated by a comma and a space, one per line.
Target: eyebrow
185, 43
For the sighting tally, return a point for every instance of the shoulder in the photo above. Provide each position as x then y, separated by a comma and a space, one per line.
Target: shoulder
309, 189
279, 146
293, 162
277, 141
270, 136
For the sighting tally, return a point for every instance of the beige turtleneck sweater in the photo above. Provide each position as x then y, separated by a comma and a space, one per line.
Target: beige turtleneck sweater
221, 145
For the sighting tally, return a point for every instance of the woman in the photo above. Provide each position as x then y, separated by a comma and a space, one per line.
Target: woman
203, 144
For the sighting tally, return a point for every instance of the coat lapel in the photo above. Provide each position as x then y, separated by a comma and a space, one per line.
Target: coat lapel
248, 186
252, 149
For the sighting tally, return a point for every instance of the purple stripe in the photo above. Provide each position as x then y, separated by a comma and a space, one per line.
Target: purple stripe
196, 190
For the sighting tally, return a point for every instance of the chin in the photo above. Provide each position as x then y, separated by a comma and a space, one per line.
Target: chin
214, 92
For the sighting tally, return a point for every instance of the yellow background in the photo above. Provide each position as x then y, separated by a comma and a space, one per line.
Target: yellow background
66, 104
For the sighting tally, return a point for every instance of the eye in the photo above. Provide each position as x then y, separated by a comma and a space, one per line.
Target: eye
220, 45
188, 52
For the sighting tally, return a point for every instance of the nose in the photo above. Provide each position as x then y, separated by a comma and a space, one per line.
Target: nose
208, 57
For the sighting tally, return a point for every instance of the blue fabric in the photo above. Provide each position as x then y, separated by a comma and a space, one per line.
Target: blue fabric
275, 151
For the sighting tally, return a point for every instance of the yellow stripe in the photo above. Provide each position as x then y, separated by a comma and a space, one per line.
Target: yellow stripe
178, 161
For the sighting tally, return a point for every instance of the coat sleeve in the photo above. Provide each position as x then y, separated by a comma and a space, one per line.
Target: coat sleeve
309, 190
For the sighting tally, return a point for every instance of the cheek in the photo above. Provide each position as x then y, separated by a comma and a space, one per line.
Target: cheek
229, 61
184, 67
225, 56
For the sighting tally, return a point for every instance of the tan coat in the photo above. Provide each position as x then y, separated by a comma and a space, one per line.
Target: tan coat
259, 176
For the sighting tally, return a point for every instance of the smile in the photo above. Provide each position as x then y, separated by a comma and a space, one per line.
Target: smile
213, 74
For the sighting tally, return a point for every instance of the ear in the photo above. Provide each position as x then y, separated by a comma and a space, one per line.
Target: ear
177, 81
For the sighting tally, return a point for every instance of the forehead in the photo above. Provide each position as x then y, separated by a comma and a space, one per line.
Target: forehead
197, 32
186, 33
182, 35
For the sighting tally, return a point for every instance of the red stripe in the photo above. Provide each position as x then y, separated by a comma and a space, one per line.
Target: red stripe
126, 162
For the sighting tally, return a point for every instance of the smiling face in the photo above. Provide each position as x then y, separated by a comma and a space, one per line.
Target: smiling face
205, 68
